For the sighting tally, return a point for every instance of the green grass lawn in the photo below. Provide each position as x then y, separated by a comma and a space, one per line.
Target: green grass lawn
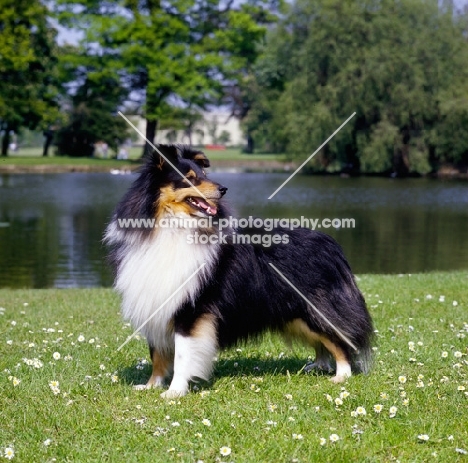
235, 154
33, 157
259, 403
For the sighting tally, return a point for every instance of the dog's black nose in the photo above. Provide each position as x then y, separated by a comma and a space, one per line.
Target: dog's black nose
222, 190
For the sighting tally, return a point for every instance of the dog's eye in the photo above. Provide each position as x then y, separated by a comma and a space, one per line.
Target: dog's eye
191, 178
204, 173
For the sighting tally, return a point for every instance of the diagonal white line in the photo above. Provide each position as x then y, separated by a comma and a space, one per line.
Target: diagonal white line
159, 152
312, 155
162, 305
335, 329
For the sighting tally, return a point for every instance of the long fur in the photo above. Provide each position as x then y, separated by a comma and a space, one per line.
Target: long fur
236, 295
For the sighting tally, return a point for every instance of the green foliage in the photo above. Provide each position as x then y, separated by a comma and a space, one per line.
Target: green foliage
377, 149
224, 137
241, 91
261, 118
93, 117
451, 134
168, 55
28, 73
418, 157
401, 66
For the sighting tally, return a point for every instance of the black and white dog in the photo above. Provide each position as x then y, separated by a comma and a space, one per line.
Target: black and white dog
192, 299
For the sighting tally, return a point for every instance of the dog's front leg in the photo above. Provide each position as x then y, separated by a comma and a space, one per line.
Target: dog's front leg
194, 355
162, 362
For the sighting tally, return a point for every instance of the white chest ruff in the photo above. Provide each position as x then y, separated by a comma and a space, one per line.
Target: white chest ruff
152, 280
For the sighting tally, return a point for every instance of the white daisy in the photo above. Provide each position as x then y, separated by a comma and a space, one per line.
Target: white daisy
225, 451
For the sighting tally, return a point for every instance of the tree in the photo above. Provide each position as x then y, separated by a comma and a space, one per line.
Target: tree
240, 90
224, 137
180, 118
263, 120
402, 66
93, 117
28, 86
212, 129
167, 54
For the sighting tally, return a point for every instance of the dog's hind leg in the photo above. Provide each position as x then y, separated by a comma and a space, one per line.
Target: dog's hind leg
194, 355
161, 366
323, 359
343, 366
298, 328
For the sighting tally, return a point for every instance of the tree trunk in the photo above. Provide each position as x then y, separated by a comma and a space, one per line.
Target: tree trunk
401, 164
250, 144
150, 134
47, 142
6, 141
189, 134
401, 161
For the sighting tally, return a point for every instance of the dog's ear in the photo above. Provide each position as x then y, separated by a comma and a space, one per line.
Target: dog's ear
162, 154
194, 155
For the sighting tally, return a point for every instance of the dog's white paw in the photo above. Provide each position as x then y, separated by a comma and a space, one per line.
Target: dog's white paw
343, 372
339, 379
153, 383
173, 394
141, 387
144, 387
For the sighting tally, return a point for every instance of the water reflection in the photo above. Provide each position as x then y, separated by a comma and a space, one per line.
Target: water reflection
51, 225
55, 228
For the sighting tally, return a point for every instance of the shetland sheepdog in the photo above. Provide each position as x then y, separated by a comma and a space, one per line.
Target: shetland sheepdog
190, 298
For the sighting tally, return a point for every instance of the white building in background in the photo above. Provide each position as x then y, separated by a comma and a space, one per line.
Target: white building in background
216, 128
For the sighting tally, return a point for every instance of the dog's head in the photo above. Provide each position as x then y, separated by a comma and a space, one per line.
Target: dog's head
173, 182
183, 187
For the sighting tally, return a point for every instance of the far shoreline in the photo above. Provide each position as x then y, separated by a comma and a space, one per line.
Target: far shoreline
218, 166
233, 166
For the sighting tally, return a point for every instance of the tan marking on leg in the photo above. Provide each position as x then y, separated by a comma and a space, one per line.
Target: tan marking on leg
161, 365
343, 368
298, 328
204, 327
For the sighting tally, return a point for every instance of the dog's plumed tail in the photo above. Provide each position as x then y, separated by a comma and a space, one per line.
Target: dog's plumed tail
360, 327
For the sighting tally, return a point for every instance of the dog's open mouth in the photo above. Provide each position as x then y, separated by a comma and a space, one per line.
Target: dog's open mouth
202, 205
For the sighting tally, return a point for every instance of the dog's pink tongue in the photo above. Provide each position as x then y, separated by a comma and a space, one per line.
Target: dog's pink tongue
211, 210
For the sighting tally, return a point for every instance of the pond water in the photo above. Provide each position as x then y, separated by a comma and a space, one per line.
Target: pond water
51, 225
